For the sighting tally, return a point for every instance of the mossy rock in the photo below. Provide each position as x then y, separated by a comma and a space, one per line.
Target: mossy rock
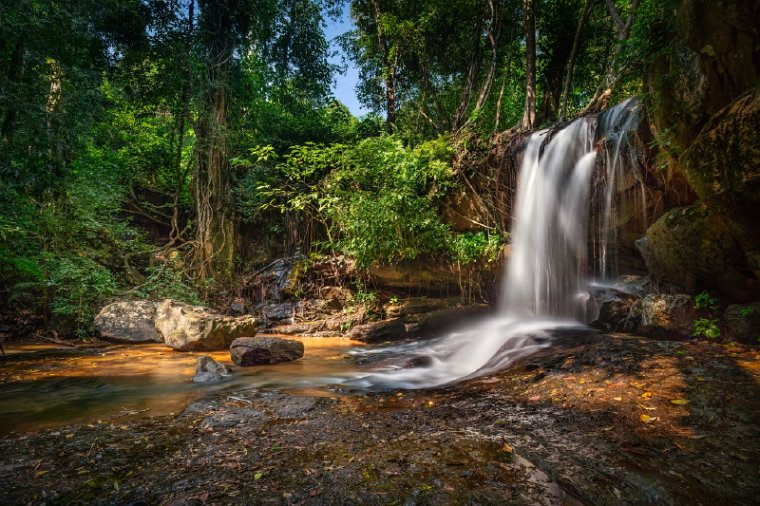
694, 248
723, 167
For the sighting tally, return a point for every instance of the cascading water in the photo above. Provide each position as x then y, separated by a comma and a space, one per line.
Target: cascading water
547, 274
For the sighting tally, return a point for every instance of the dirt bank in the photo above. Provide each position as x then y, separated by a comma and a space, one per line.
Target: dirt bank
594, 420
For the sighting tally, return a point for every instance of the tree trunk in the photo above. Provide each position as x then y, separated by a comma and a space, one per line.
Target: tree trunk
573, 57
529, 115
389, 70
613, 74
215, 228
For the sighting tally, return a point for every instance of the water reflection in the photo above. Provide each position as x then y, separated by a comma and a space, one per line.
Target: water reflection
44, 387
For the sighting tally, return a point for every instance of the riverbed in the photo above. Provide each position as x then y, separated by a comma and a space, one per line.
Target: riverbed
46, 386
597, 419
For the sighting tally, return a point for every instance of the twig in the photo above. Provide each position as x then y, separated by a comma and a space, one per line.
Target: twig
56, 341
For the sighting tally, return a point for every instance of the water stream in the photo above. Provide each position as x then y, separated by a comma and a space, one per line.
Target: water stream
563, 239
545, 287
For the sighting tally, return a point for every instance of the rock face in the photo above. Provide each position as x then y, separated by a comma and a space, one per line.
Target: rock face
693, 249
611, 310
130, 321
247, 351
743, 322
194, 328
208, 370
723, 168
667, 316
418, 325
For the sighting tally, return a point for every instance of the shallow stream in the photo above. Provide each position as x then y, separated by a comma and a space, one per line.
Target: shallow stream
45, 386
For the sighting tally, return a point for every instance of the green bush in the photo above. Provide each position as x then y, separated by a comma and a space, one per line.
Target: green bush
470, 247
707, 327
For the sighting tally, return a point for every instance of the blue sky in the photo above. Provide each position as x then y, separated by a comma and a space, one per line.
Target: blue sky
344, 85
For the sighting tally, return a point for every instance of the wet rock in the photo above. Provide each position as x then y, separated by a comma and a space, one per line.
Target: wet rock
449, 318
228, 418
128, 321
421, 361
609, 308
248, 351
384, 330
415, 305
195, 328
208, 370
743, 322
667, 316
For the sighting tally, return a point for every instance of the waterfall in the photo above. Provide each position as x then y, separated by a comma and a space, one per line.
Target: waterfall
548, 271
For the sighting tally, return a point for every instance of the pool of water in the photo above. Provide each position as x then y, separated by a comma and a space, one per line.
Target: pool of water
43, 386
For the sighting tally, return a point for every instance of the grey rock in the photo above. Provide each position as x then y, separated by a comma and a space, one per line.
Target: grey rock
277, 312
743, 322
248, 351
667, 316
195, 328
128, 321
610, 308
208, 370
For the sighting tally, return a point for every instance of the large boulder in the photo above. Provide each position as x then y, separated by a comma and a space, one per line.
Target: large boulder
723, 168
195, 328
667, 316
248, 351
694, 249
743, 322
128, 322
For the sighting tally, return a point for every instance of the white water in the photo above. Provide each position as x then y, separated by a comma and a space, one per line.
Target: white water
546, 275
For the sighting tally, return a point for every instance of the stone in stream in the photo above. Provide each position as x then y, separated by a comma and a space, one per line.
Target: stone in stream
195, 328
247, 351
208, 370
128, 321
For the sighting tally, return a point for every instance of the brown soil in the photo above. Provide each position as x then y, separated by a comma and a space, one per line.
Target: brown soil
596, 420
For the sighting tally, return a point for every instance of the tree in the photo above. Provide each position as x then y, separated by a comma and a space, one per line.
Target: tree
528, 121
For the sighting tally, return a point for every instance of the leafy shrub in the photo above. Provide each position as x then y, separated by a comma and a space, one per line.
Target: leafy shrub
469, 247
704, 300
376, 200
707, 327
80, 286
168, 282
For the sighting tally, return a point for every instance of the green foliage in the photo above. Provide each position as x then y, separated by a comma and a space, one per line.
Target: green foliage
470, 247
376, 200
704, 300
363, 297
746, 312
167, 281
81, 287
706, 327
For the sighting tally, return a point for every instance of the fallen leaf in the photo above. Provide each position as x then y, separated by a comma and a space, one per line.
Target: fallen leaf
648, 419
646, 395
507, 448
534, 398
40, 473
617, 399
258, 476
680, 402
